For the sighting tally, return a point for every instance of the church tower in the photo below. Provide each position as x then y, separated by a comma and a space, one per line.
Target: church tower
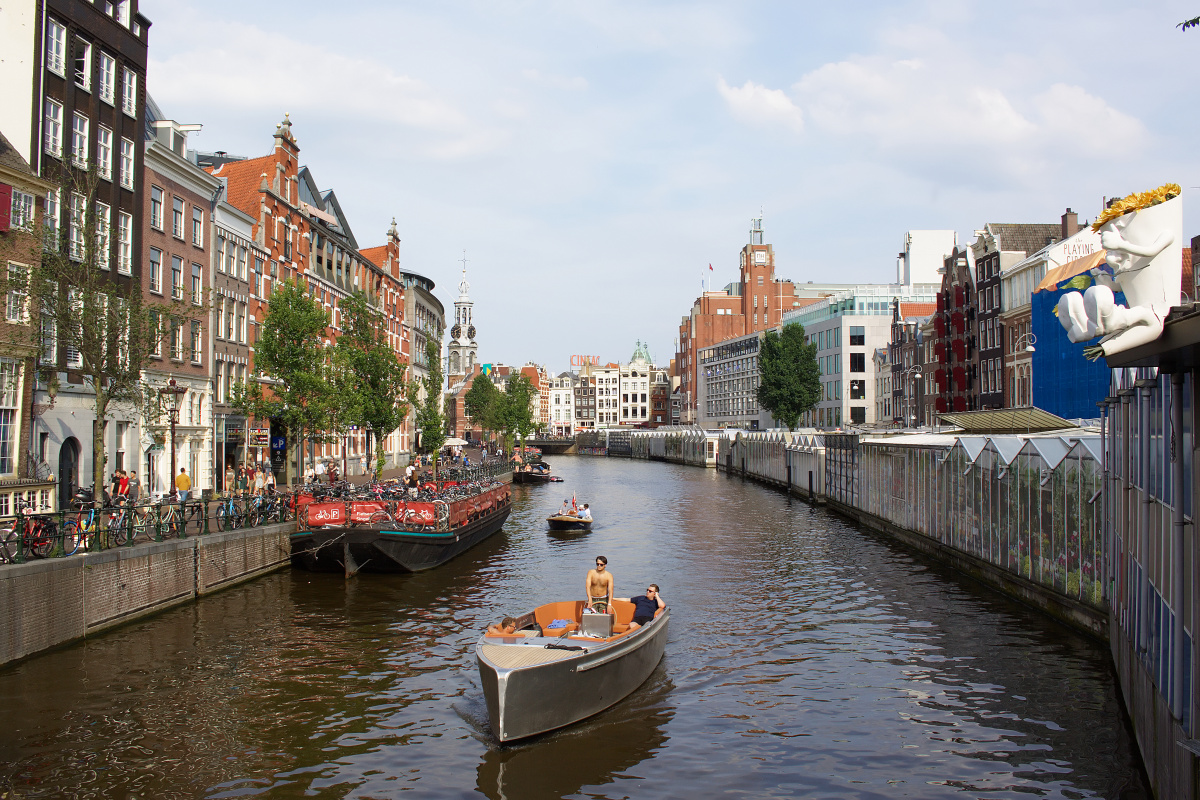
462, 352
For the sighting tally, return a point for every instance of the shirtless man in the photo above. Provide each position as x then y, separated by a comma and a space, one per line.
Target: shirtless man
599, 587
507, 627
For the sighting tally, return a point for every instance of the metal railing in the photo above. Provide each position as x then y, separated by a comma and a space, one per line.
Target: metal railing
58, 534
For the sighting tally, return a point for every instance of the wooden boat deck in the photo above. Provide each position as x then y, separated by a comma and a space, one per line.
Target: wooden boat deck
509, 657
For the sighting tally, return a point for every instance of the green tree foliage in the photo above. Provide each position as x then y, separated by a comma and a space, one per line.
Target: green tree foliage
790, 382
1194, 22
518, 413
430, 420
482, 403
290, 353
369, 375
85, 318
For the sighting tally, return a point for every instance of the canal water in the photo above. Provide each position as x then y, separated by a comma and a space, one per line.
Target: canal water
805, 659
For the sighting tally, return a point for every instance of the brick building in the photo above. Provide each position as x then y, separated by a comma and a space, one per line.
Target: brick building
84, 68
755, 302
22, 201
177, 247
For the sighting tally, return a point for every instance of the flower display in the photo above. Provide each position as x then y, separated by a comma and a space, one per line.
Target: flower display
1136, 202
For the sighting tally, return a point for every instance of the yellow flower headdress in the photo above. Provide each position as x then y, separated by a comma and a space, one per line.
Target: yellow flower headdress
1136, 202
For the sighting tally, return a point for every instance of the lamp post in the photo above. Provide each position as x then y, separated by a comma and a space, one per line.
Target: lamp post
174, 394
915, 373
1029, 340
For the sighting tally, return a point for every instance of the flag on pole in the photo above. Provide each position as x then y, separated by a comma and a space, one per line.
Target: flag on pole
710, 269
574, 508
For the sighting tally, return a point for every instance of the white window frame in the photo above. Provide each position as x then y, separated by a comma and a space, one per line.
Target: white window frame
124, 243
52, 128
156, 269
56, 48
80, 140
177, 277
77, 213
129, 92
127, 163
178, 207
108, 78
51, 219
22, 210
156, 207
103, 235
121, 13
16, 306
197, 283
83, 78
197, 227
104, 152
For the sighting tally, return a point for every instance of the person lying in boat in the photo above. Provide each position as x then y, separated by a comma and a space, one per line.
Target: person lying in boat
599, 587
645, 607
507, 627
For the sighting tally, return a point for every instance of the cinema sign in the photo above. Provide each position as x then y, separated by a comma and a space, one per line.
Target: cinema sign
585, 361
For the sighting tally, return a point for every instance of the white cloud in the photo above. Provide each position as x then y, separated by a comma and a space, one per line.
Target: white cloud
575, 84
759, 105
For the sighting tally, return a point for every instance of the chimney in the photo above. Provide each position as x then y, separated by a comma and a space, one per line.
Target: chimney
1070, 224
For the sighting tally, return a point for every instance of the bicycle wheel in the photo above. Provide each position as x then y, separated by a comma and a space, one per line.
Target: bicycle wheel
169, 523
223, 519
254, 516
142, 526
118, 529
41, 539
380, 516
71, 538
9, 544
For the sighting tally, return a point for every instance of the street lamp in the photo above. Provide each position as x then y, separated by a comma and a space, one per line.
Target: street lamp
1030, 339
915, 373
174, 395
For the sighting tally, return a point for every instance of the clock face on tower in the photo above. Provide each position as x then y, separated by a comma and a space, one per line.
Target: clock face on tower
456, 332
471, 333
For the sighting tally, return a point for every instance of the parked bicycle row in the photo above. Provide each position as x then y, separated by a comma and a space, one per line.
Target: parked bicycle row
120, 523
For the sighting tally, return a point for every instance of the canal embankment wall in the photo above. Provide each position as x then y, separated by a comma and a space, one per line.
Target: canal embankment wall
52, 602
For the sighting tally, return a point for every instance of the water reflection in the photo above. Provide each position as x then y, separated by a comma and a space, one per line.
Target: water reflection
592, 754
805, 658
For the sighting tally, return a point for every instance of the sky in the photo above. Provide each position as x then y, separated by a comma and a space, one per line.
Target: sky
593, 158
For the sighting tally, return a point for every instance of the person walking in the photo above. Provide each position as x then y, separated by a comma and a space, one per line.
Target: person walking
242, 484
230, 478
260, 482
183, 485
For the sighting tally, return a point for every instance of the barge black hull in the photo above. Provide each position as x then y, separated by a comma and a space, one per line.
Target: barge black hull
386, 548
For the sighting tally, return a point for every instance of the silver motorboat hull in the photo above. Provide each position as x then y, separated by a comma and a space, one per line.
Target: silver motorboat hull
529, 700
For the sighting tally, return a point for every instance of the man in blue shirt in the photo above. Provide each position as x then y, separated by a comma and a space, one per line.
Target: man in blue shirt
646, 607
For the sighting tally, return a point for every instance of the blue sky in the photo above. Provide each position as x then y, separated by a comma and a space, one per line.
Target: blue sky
593, 158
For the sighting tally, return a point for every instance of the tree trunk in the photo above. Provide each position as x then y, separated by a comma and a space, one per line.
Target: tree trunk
101, 407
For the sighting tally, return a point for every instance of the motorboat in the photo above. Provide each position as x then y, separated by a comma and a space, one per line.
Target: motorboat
562, 666
537, 472
568, 522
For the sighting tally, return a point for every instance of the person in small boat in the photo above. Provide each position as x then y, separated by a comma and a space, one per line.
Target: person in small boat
566, 510
645, 607
507, 627
585, 513
599, 587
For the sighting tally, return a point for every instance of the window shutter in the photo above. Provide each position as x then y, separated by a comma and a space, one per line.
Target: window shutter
6, 193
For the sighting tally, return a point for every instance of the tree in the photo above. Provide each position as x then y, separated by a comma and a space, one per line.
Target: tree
430, 421
369, 375
518, 416
1194, 22
290, 353
482, 403
790, 382
87, 317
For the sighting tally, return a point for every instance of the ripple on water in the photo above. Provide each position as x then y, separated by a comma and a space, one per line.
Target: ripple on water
806, 659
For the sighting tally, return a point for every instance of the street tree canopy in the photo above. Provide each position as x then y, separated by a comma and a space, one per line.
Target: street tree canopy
369, 375
290, 352
430, 420
790, 382
482, 403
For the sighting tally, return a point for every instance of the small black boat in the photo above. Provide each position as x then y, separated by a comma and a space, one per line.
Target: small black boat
406, 537
538, 472
566, 522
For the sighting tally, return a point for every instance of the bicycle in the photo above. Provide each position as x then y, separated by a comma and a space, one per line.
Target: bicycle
230, 515
170, 521
38, 535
